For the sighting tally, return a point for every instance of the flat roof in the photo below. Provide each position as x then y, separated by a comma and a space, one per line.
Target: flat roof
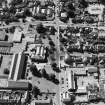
91, 69
18, 84
81, 89
17, 36
11, 84
95, 8
3, 83
5, 44
70, 77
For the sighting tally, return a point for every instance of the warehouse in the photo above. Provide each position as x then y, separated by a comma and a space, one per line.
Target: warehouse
17, 66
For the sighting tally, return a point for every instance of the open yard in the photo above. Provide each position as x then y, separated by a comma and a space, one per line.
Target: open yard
43, 84
6, 62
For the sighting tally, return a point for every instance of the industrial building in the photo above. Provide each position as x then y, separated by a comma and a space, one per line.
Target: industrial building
17, 66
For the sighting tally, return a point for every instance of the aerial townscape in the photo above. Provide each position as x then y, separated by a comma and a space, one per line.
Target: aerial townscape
52, 52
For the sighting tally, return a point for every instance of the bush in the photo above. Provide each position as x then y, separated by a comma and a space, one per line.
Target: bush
51, 43
40, 28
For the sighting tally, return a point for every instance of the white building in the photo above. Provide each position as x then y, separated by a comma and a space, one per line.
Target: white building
39, 54
17, 36
70, 80
96, 9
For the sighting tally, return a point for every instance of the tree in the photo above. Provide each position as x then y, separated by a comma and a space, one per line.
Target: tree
57, 69
6, 71
52, 30
44, 73
52, 57
69, 6
63, 40
53, 65
52, 77
12, 10
68, 59
70, 9
89, 20
83, 3
37, 2
51, 43
36, 91
40, 28
5, 9
27, 12
33, 67
51, 51
53, 48
34, 70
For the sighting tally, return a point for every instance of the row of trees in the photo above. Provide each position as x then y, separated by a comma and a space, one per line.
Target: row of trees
41, 29
43, 73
